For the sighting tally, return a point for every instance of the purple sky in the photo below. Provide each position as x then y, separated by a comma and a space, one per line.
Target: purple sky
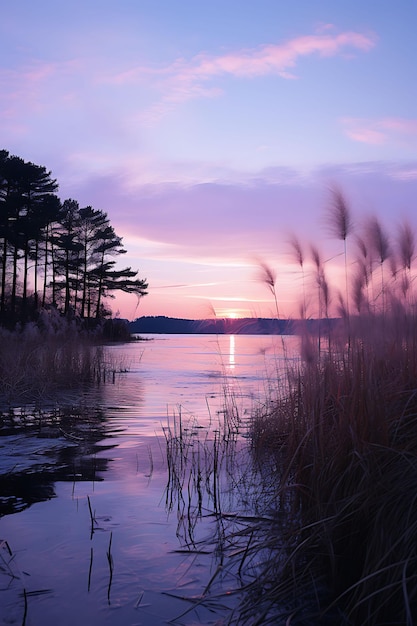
211, 131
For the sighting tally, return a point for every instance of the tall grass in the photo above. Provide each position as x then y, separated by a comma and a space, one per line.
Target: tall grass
36, 362
342, 440
331, 474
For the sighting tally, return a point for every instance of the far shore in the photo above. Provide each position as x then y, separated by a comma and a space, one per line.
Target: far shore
161, 324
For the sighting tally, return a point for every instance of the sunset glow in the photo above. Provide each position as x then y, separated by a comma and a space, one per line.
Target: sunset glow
210, 132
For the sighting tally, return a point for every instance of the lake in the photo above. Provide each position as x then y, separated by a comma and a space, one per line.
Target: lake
110, 518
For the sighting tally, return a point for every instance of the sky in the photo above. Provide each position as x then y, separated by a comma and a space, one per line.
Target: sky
212, 132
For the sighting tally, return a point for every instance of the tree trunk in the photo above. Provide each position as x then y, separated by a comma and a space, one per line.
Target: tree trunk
3, 276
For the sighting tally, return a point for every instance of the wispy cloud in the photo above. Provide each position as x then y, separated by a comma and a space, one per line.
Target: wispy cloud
272, 59
190, 285
236, 299
28, 83
406, 173
186, 79
380, 131
85, 87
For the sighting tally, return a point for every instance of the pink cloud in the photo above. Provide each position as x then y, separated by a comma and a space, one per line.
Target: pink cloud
323, 27
400, 125
27, 90
183, 79
380, 131
266, 59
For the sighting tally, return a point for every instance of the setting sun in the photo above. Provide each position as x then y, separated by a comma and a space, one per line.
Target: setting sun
231, 314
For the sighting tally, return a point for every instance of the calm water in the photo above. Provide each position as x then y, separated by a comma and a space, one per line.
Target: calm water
124, 566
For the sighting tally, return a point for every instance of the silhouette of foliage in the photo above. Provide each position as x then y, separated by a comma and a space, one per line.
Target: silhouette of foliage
54, 253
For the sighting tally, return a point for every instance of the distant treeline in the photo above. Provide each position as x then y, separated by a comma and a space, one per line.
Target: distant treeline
240, 326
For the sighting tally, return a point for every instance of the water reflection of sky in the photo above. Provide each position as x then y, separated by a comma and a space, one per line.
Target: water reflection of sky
122, 468
232, 352
185, 370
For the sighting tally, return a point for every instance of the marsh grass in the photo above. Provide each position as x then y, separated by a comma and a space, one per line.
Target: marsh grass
220, 497
323, 525
343, 442
200, 462
214, 487
337, 452
35, 364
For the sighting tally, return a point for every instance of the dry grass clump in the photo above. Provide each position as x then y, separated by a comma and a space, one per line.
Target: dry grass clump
342, 442
34, 363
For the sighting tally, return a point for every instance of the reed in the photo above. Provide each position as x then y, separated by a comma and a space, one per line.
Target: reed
35, 364
322, 526
298, 254
329, 480
268, 276
342, 442
339, 221
111, 567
